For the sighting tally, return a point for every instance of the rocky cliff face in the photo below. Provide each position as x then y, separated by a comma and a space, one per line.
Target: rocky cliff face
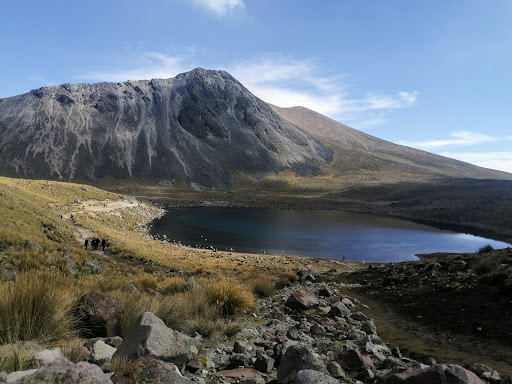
199, 127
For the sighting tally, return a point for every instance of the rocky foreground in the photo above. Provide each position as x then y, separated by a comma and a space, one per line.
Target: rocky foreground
308, 333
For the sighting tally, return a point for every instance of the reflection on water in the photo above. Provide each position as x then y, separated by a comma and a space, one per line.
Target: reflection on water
329, 234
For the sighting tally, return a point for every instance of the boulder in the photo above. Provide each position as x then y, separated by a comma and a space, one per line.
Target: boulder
437, 374
101, 353
46, 357
264, 363
148, 370
7, 274
306, 275
359, 316
3, 376
63, 371
302, 299
94, 266
239, 373
70, 265
369, 327
339, 309
335, 370
325, 292
100, 315
241, 346
354, 360
18, 375
309, 376
295, 359
149, 336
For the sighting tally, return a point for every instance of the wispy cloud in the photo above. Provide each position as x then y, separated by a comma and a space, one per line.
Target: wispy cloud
40, 80
288, 83
494, 160
456, 138
149, 65
282, 81
220, 7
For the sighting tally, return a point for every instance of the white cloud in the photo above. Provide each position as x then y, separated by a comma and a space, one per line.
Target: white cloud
40, 80
150, 65
494, 160
220, 7
456, 138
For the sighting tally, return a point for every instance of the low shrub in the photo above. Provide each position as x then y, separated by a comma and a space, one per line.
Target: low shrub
231, 295
262, 285
485, 249
172, 285
286, 279
485, 266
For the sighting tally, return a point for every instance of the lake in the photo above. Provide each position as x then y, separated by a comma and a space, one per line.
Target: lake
327, 234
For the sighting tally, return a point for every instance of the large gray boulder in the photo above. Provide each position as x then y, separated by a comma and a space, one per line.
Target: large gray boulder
149, 336
100, 315
339, 309
309, 376
63, 371
297, 358
436, 374
46, 357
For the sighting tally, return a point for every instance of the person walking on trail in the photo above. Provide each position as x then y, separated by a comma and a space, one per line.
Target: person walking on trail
103, 244
86, 243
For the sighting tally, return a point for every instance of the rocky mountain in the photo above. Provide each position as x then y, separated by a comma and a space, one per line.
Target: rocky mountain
200, 127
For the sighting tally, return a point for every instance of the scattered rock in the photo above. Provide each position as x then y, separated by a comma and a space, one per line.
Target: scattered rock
241, 346
439, 374
325, 292
358, 316
46, 357
369, 327
264, 363
302, 299
101, 353
131, 288
354, 360
148, 370
149, 336
239, 373
70, 265
306, 275
7, 275
94, 266
18, 375
100, 315
63, 371
335, 370
339, 309
309, 376
297, 358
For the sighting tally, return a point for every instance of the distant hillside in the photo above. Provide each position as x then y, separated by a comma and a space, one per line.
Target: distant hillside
358, 152
198, 127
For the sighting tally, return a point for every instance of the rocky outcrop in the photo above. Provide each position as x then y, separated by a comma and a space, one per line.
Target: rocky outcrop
199, 127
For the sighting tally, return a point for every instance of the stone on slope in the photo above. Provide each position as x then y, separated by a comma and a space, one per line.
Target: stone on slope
302, 299
46, 357
354, 360
306, 275
309, 376
148, 370
100, 315
437, 374
63, 371
295, 359
149, 336
102, 353
339, 309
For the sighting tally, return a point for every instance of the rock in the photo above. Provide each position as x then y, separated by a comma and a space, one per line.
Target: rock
30, 245
84, 188
252, 380
302, 299
70, 265
358, 316
339, 309
7, 275
293, 334
369, 327
306, 275
335, 370
295, 359
264, 363
239, 360
325, 292
438, 374
3, 376
63, 371
100, 315
149, 336
194, 365
46, 357
317, 329
241, 346
366, 374
395, 351
18, 375
94, 266
353, 359
309, 376
239, 373
148, 370
131, 288
101, 353
478, 369
348, 303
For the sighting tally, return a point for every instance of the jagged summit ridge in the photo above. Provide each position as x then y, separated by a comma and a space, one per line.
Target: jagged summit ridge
199, 127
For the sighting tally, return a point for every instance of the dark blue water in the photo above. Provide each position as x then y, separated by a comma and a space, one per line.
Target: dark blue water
328, 234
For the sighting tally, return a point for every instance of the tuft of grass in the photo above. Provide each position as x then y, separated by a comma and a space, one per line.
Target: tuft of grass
485, 249
134, 307
485, 266
117, 363
74, 350
172, 285
262, 285
15, 360
39, 305
286, 279
147, 282
230, 295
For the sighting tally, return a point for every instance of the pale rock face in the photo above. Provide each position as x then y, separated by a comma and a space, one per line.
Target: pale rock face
195, 127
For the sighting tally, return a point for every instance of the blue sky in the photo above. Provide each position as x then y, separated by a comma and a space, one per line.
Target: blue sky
435, 75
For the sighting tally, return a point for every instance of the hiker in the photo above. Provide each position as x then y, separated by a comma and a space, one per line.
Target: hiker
96, 243
86, 243
103, 244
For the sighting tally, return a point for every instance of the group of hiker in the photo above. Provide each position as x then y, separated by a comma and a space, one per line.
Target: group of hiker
95, 243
